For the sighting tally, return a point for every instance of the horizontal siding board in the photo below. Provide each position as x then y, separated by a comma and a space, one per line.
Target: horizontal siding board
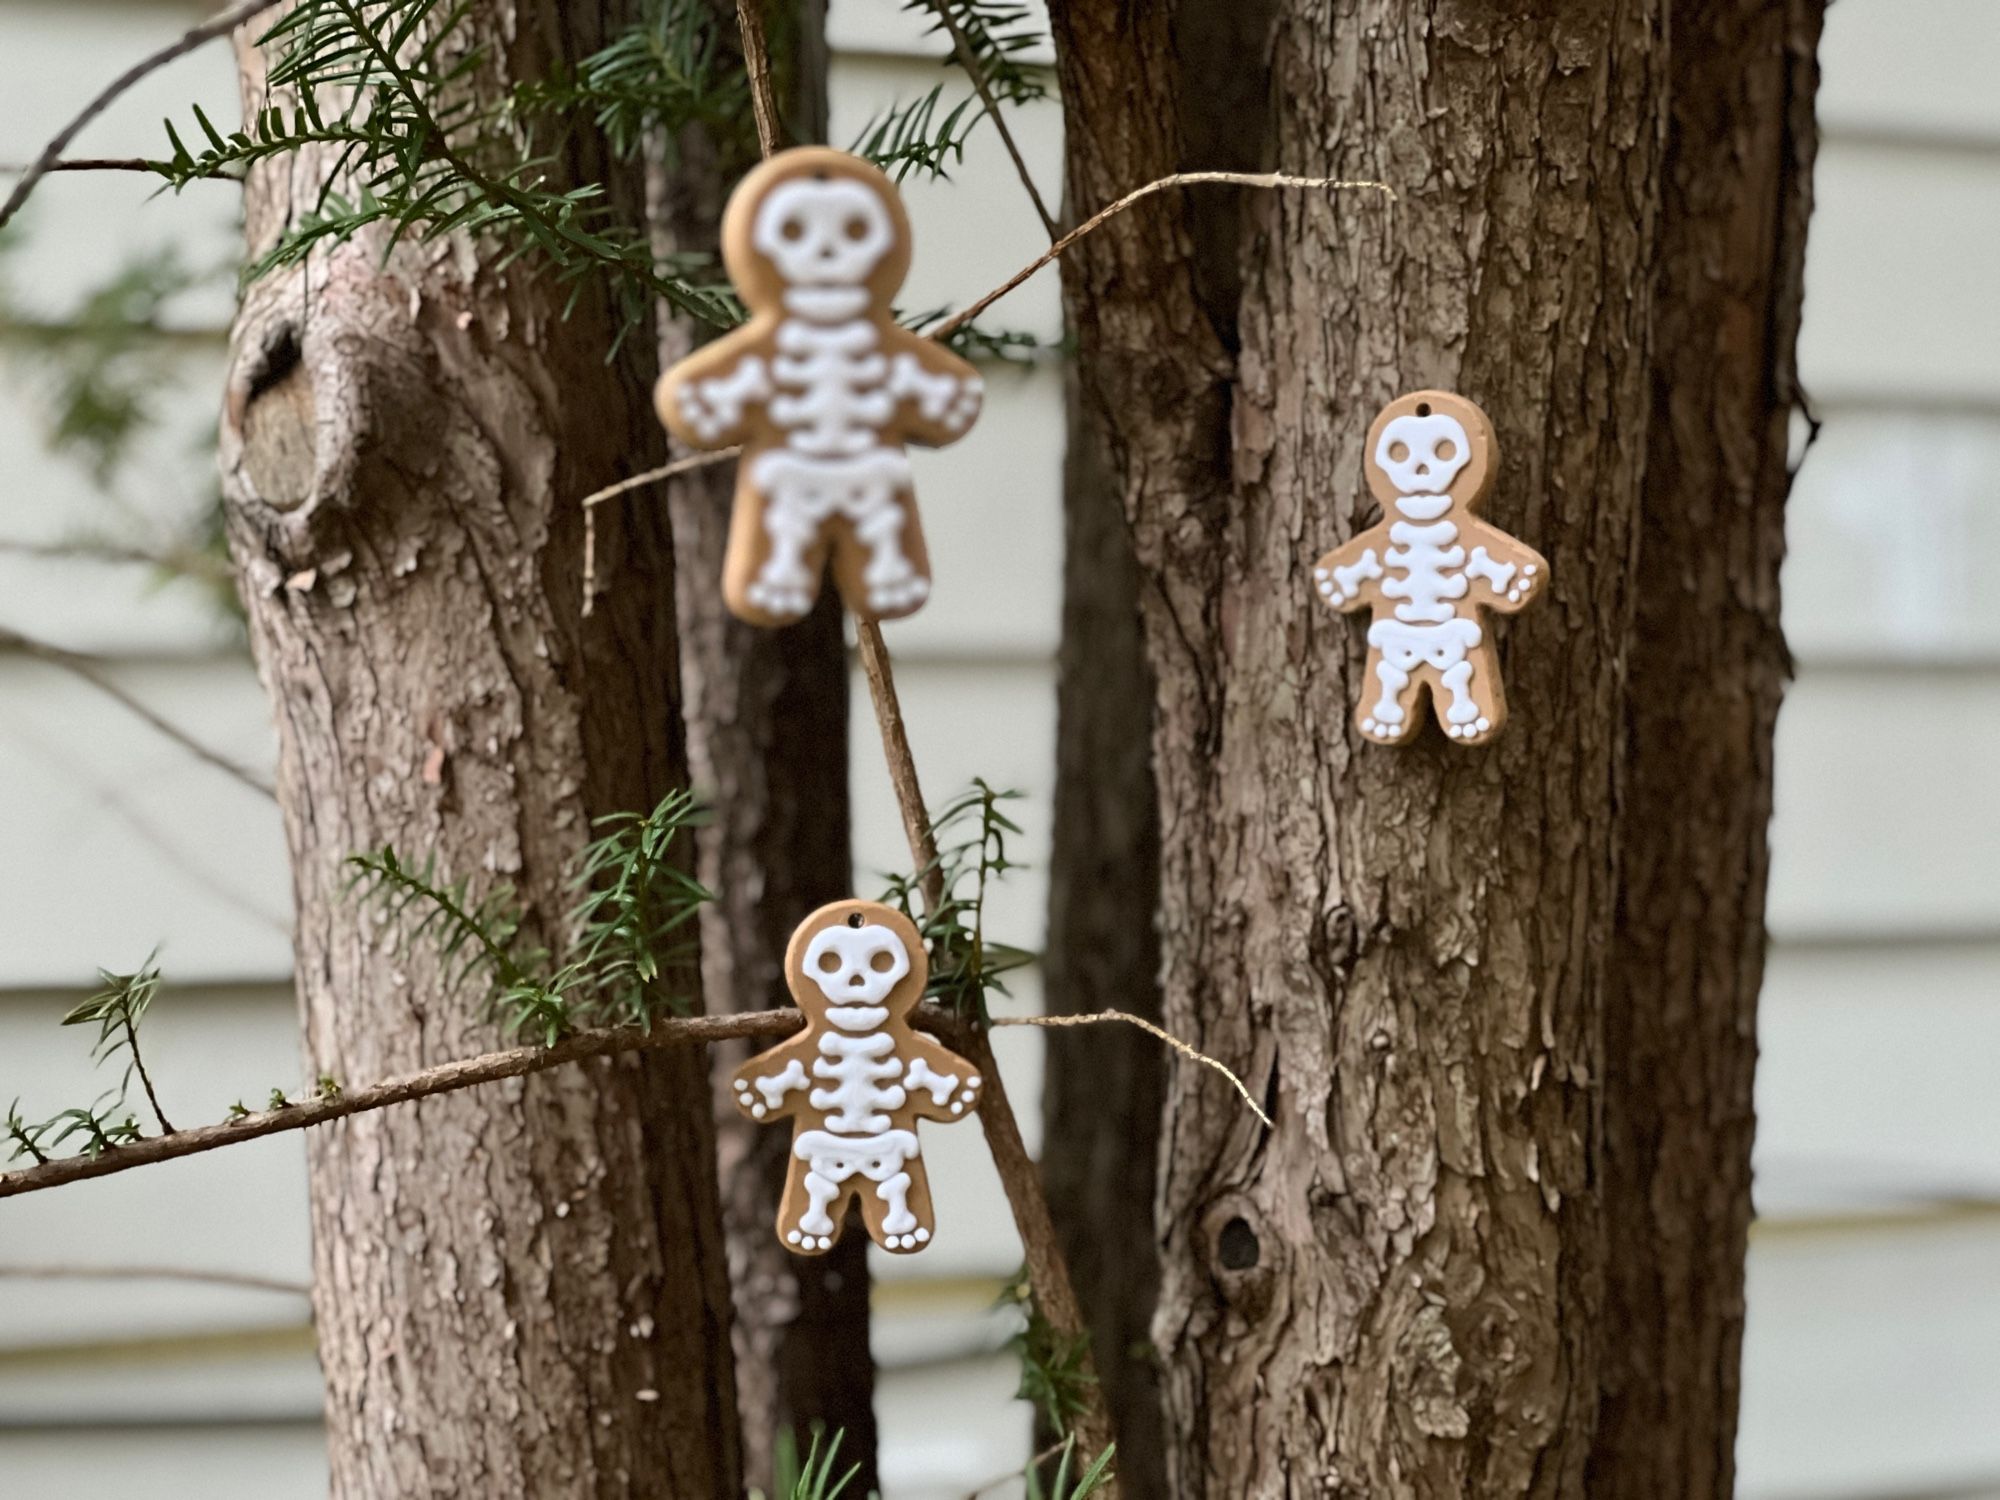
1921, 70
1893, 530
130, 841
1872, 1363
1888, 817
1899, 293
1875, 1086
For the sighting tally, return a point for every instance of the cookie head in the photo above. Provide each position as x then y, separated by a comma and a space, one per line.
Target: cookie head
858, 963
1430, 443
817, 232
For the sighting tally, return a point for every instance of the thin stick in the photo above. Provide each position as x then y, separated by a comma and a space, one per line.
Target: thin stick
241, 1279
145, 1078
654, 476
1112, 210
86, 668
757, 62
111, 164
969, 60
445, 1078
208, 31
1092, 1018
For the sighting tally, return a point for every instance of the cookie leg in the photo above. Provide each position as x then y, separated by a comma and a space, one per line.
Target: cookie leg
898, 1209
1388, 712
810, 1211
1470, 703
777, 552
886, 573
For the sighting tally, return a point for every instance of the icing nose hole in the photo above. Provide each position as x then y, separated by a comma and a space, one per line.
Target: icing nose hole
855, 981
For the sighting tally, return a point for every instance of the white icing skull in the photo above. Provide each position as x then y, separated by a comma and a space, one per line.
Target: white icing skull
1422, 455
856, 965
823, 231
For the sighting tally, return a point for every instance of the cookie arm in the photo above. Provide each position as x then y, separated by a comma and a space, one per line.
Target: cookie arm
1350, 576
940, 1084
773, 1085
1505, 573
938, 395
707, 399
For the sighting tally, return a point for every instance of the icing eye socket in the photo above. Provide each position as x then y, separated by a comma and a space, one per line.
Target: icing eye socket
882, 961
792, 230
829, 962
1398, 452
856, 228
1446, 450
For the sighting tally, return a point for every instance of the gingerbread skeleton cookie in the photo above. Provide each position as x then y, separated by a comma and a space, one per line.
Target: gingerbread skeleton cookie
855, 1082
1428, 570
823, 390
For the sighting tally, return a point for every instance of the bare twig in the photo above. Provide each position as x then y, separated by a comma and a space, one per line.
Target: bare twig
1092, 1018
1111, 211
112, 164
87, 669
145, 1078
241, 1279
219, 25
757, 62
654, 476
969, 60
187, 562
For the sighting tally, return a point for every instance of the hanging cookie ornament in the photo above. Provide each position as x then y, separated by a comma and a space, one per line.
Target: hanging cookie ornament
823, 390
855, 1082
1428, 569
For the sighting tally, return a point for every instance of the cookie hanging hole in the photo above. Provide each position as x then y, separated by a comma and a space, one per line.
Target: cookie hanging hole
855, 919
1423, 408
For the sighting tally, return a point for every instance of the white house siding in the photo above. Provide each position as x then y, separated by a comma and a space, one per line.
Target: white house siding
1872, 1367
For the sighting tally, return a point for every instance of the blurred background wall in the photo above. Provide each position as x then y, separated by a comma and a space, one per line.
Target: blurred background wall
1873, 1354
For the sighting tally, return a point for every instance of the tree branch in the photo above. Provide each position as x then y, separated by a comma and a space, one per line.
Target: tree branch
208, 31
969, 60
446, 1078
87, 669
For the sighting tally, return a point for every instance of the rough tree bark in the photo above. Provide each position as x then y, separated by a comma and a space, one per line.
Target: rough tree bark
1395, 1292
767, 740
519, 1290
1104, 1086
1708, 667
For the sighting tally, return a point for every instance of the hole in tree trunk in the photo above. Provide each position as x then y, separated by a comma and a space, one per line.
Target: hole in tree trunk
1237, 1245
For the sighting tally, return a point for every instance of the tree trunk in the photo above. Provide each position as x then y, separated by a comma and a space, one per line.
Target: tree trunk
519, 1291
1104, 1085
1395, 1292
1708, 667
767, 740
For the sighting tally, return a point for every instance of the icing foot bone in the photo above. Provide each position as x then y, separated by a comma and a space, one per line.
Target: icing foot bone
823, 390
855, 1082
1427, 570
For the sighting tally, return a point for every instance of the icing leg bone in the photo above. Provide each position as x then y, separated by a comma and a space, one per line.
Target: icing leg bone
1404, 650
832, 1161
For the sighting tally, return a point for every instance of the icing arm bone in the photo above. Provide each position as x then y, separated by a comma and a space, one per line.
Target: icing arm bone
774, 1085
945, 402
941, 1084
712, 408
1503, 573
1351, 575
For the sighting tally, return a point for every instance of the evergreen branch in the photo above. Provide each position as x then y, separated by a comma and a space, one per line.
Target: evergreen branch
284, 1115
815, 1479
1055, 1367
220, 25
975, 66
469, 933
1094, 1479
116, 1010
